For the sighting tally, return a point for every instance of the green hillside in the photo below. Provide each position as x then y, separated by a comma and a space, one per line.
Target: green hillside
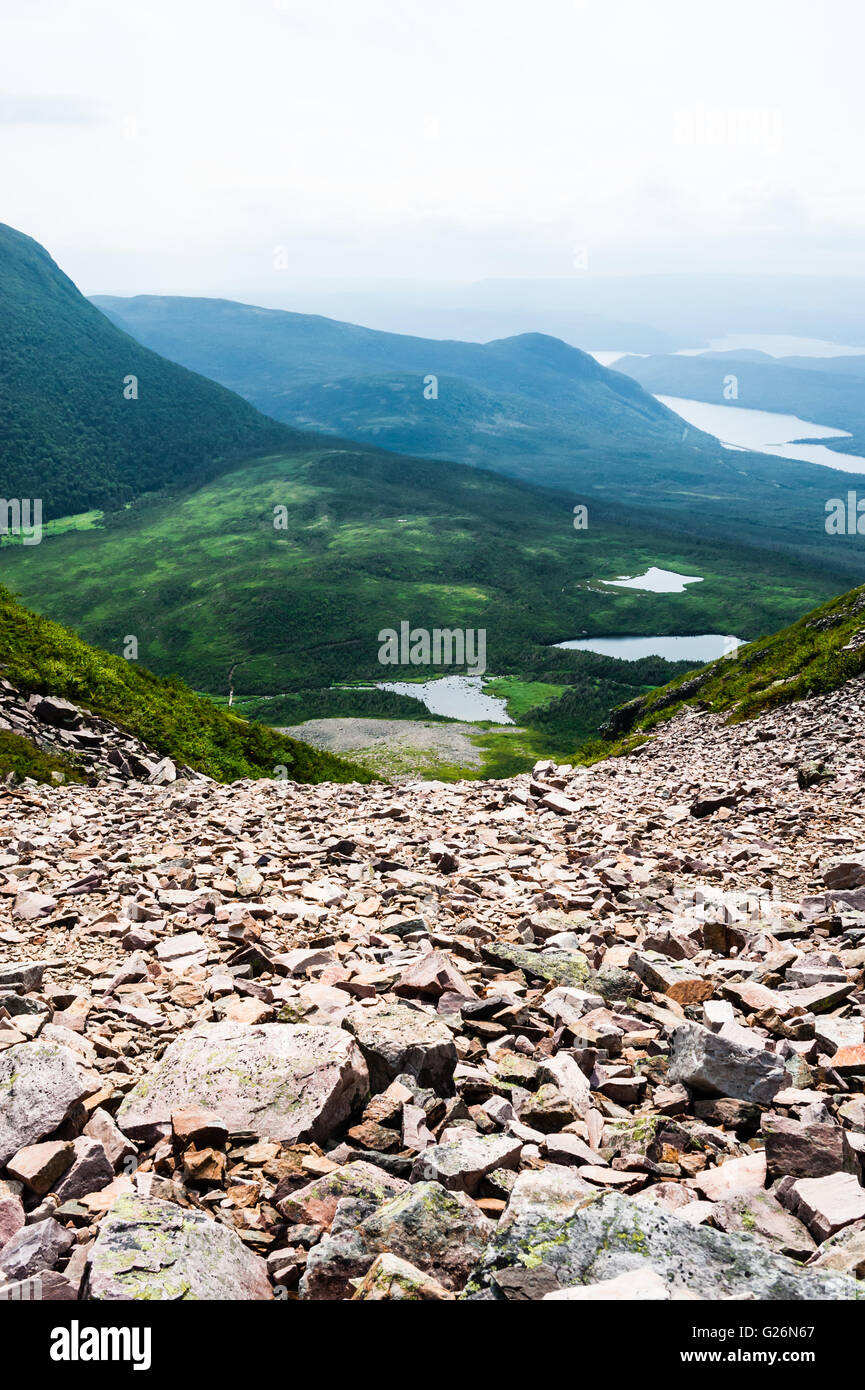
71, 431
209, 586
39, 655
817, 654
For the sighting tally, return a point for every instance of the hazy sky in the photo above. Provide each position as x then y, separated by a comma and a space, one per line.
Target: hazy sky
196, 145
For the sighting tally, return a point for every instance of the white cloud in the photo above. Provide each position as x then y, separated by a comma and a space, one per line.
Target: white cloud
461, 139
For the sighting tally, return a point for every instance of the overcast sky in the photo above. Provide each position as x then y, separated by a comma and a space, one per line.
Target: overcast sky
195, 146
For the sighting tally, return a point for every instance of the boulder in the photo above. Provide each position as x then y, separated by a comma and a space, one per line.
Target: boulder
90, 1170
709, 1062
439, 1232
40, 1083
281, 1081
11, 1213
316, 1202
561, 967
390, 1279
461, 1163
678, 980
805, 1150
827, 1204
565, 1073
23, 975
602, 1238
395, 1039
60, 714
641, 1285
40, 1166
34, 1248
760, 1214
844, 1251
154, 1250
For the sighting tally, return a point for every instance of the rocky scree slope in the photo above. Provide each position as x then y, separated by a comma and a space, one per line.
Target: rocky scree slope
588, 1033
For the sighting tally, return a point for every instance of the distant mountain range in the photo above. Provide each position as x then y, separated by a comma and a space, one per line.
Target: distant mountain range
657, 313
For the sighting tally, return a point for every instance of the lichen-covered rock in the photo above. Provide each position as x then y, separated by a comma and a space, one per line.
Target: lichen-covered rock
439, 1232
562, 967
281, 1081
155, 1250
392, 1280
395, 1039
40, 1083
761, 1214
316, 1201
844, 1252
460, 1163
333, 1265
607, 1235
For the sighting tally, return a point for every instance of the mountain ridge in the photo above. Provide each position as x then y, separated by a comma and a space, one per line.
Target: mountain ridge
560, 419
88, 416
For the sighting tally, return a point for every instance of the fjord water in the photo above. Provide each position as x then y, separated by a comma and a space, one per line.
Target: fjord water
766, 432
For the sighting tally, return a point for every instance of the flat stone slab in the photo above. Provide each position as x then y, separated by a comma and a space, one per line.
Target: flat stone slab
155, 1250
561, 967
23, 974
828, 1204
642, 1285
279, 1080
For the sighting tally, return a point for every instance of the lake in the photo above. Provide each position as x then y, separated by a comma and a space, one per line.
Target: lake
700, 649
655, 581
764, 431
458, 697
